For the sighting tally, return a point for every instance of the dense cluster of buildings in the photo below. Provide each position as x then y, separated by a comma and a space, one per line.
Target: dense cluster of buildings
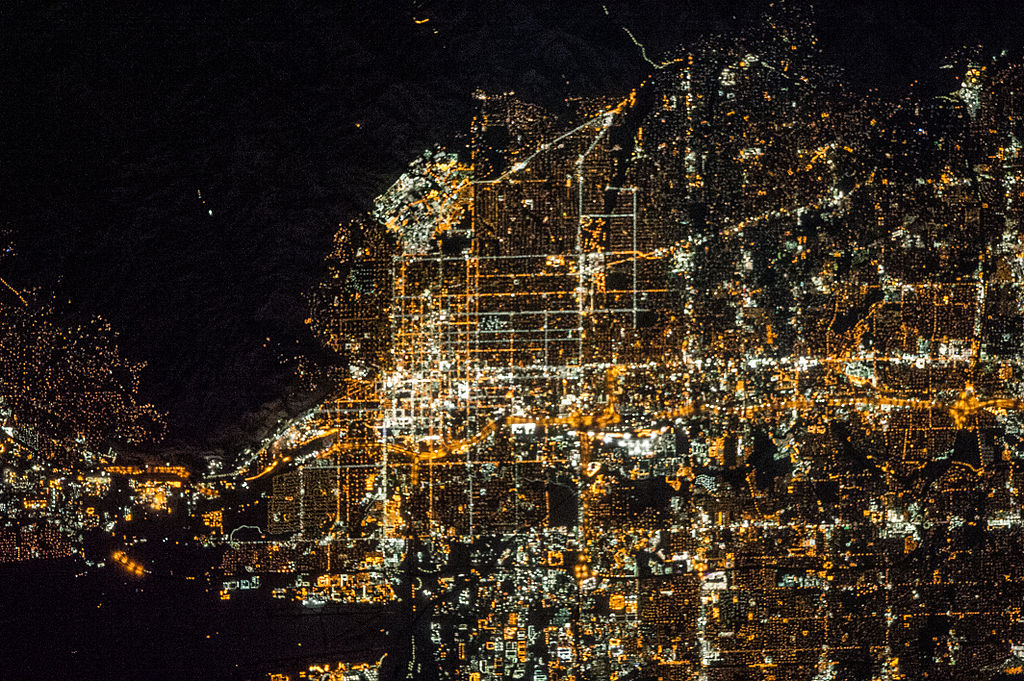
717, 381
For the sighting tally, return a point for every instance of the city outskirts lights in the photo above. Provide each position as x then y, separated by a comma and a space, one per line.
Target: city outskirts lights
128, 564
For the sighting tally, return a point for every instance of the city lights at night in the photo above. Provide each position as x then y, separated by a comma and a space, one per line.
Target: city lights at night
637, 344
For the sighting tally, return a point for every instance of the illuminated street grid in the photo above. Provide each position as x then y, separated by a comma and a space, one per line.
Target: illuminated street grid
720, 380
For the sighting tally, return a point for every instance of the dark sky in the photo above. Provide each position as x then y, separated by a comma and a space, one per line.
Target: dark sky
116, 117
